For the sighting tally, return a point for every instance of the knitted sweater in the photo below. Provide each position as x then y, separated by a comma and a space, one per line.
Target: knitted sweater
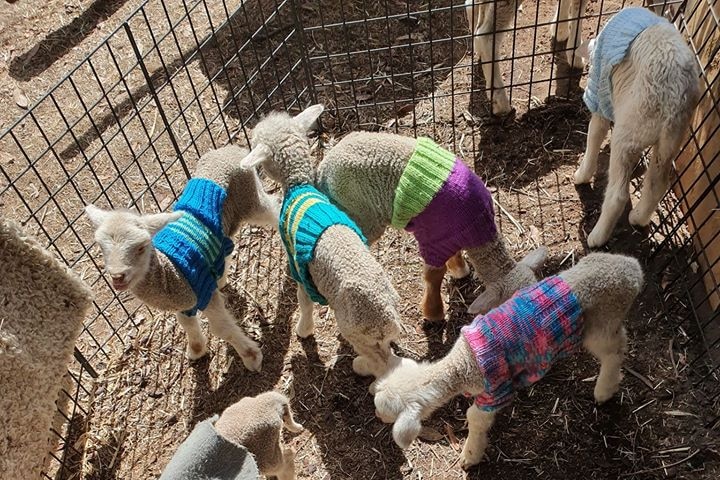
516, 343
206, 455
611, 46
443, 203
195, 243
305, 215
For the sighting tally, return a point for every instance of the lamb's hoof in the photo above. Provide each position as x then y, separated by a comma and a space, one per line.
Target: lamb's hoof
581, 178
638, 220
304, 331
597, 239
252, 359
195, 351
602, 395
501, 106
459, 273
373, 387
470, 458
361, 366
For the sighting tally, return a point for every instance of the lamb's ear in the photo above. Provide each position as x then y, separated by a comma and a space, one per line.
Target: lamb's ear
536, 259
155, 221
96, 215
257, 155
307, 118
407, 427
485, 301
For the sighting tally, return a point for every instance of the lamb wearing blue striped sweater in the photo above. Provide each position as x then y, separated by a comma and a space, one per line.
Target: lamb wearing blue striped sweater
644, 78
176, 261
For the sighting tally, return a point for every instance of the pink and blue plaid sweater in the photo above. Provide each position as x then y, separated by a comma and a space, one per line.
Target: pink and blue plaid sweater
516, 343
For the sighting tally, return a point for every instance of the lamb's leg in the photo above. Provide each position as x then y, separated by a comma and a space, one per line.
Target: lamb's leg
484, 40
197, 343
559, 26
306, 323
576, 11
597, 130
610, 351
479, 422
657, 178
287, 470
617, 193
222, 324
289, 421
224, 279
268, 210
432, 304
457, 266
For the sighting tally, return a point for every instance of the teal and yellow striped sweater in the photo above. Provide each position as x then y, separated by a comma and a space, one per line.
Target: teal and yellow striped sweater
305, 215
196, 243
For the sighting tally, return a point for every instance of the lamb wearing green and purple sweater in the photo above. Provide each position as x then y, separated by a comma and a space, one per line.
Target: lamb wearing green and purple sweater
382, 179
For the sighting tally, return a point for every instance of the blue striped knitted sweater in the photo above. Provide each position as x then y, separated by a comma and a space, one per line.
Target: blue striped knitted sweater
196, 243
611, 46
305, 215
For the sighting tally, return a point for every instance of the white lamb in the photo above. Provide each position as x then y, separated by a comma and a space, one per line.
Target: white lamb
327, 253
644, 78
586, 304
175, 261
384, 179
219, 447
256, 423
489, 20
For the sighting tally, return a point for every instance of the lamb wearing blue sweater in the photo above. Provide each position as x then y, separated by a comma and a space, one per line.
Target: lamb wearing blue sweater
175, 261
644, 79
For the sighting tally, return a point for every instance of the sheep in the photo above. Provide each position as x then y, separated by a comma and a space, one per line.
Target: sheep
379, 179
256, 423
588, 302
490, 20
644, 78
167, 268
327, 253
219, 447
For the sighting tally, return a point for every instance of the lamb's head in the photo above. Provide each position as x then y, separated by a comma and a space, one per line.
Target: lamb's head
523, 274
125, 239
400, 399
279, 143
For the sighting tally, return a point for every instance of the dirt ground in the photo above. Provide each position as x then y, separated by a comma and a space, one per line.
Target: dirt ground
149, 397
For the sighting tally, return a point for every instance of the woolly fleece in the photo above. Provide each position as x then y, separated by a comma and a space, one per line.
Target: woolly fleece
44, 304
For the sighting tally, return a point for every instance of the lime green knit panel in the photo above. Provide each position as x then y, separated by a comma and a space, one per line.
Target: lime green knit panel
426, 172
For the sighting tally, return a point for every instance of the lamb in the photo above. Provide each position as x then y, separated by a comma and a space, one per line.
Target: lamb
327, 252
383, 179
175, 261
490, 20
644, 78
219, 447
586, 303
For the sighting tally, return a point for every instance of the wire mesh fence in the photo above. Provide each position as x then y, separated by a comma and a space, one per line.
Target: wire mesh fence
178, 77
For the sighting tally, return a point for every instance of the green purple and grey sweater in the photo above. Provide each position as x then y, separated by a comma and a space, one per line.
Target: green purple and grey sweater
443, 203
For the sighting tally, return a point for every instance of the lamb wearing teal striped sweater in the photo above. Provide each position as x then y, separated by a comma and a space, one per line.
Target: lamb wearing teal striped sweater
327, 252
176, 261
383, 179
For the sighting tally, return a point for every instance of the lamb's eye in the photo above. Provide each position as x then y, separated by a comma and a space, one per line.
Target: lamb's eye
141, 249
